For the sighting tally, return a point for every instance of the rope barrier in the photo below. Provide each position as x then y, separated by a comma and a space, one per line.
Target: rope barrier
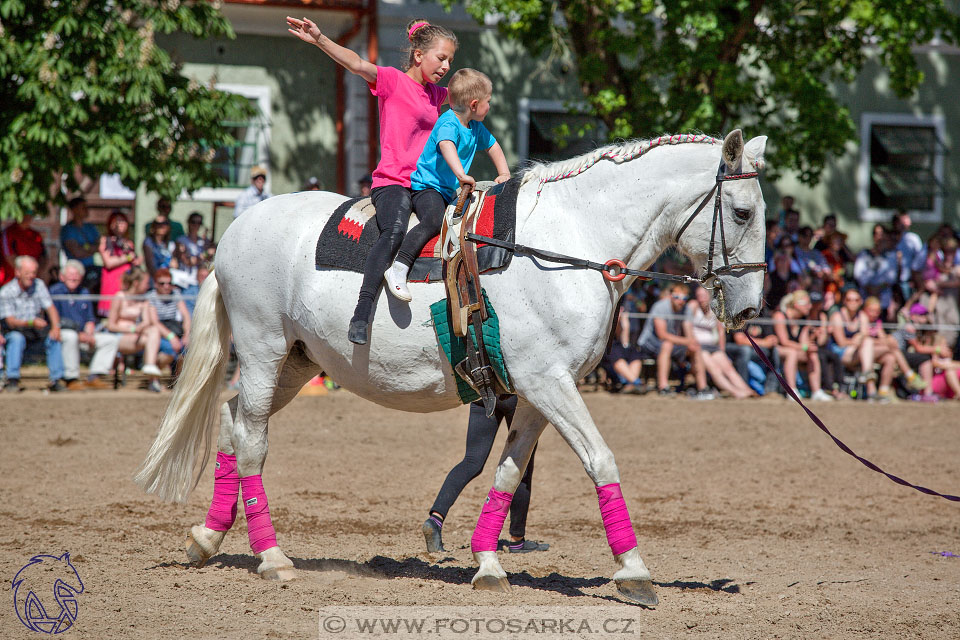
887, 326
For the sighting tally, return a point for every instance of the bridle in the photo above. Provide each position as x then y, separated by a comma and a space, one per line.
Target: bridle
615, 270
716, 193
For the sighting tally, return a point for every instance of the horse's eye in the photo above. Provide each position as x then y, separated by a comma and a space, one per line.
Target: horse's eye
742, 214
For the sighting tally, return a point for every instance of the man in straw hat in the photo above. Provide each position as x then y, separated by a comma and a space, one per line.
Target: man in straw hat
254, 193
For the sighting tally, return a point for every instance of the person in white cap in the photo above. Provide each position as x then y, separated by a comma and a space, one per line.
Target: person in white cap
254, 193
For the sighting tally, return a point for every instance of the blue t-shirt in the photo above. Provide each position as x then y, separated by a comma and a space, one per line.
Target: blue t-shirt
432, 170
86, 234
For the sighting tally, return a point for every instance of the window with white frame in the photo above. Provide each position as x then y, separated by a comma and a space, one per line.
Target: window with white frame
901, 167
251, 147
551, 130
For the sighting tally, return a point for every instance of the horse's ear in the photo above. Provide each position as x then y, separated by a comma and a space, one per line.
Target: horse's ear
753, 152
733, 149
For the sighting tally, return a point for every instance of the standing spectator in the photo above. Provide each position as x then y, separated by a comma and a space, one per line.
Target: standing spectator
118, 255
22, 303
875, 269
799, 346
80, 241
77, 322
835, 256
662, 338
134, 319
773, 231
911, 256
171, 314
20, 239
791, 224
702, 325
164, 207
254, 193
157, 248
313, 184
811, 260
786, 204
823, 235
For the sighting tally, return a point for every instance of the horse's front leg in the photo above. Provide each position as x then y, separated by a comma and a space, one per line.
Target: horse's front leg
561, 404
204, 540
525, 429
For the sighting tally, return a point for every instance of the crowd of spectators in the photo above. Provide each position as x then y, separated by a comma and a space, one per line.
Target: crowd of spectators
878, 324
107, 300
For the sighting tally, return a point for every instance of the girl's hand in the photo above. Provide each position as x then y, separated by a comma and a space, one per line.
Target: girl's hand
305, 29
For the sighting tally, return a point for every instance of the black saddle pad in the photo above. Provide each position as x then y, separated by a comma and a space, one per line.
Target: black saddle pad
351, 232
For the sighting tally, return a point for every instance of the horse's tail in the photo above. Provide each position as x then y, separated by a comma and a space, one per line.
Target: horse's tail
194, 408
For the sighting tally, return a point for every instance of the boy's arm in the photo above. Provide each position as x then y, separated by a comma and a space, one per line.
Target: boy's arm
500, 162
309, 32
449, 152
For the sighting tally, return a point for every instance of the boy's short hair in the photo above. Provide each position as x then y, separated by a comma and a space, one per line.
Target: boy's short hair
468, 85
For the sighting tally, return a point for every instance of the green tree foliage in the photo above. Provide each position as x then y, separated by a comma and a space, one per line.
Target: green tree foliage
84, 90
652, 66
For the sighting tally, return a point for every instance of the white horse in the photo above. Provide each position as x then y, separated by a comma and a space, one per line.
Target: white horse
289, 321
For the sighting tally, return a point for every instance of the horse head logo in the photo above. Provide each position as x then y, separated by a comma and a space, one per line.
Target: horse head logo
45, 593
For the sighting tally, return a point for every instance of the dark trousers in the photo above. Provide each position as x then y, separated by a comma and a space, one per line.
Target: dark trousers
393, 205
481, 432
429, 206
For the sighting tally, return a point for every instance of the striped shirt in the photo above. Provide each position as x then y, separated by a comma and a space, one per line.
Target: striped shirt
166, 309
24, 305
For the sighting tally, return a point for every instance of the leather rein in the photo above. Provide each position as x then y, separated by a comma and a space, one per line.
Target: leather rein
615, 270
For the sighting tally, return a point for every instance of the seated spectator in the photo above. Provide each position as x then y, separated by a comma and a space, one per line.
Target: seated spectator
777, 281
886, 351
193, 248
191, 292
313, 184
912, 320
811, 260
799, 345
623, 363
80, 241
118, 255
832, 367
77, 331
23, 301
662, 338
773, 231
133, 318
703, 326
157, 248
945, 382
172, 315
834, 255
823, 234
20, 239
875, 269
746, 361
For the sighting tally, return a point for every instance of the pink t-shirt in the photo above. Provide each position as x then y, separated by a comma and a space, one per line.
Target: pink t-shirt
408, 111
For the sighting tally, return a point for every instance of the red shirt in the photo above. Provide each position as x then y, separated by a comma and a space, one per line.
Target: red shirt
18, 240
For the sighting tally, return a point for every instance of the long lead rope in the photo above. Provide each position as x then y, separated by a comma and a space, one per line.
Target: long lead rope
843, 447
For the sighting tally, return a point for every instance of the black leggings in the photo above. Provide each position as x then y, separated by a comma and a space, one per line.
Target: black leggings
393, 205
429, 206
481, 432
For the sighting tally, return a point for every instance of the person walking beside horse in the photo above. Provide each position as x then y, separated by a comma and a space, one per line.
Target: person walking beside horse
409, 103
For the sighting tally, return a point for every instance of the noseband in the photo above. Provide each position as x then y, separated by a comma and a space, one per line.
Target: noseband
716, 192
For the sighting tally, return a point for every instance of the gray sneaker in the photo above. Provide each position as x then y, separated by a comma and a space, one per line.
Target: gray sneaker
705, 394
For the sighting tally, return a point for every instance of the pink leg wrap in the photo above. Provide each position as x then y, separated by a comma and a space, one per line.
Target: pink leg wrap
226, 490
259, 527
490, 523
616, 520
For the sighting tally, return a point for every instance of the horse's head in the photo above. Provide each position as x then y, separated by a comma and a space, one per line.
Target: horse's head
737, 292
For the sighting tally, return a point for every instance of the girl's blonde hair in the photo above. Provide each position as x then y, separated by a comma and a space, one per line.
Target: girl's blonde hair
791, 299
132, 276
423, 36
468, 85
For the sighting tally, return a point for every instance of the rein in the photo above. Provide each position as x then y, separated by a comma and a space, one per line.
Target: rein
843, 447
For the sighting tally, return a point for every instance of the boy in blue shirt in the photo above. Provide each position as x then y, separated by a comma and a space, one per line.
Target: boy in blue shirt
443, 166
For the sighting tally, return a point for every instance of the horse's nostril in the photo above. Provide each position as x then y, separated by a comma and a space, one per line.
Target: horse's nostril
749, 313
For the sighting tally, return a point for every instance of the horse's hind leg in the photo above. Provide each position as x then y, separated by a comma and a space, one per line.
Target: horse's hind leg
561, 405
204, 540
525, 429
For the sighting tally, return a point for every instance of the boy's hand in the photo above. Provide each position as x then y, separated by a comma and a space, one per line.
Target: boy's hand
467, 180
501, 178
305, 29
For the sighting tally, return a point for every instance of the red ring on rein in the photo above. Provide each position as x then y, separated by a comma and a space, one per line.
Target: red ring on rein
621, 267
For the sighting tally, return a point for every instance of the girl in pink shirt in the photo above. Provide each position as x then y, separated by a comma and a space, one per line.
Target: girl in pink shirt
409, 104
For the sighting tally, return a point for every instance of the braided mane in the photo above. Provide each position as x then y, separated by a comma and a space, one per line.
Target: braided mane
618, 153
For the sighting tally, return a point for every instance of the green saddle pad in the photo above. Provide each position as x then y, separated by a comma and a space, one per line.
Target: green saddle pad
455, 347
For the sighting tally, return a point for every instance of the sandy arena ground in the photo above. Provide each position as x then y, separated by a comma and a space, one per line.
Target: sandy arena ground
753, 523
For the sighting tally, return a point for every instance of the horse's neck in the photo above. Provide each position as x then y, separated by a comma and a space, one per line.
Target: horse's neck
627, 211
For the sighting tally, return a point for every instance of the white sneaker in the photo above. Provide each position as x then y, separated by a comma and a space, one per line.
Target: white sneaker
396, 285
822, 396
151, 370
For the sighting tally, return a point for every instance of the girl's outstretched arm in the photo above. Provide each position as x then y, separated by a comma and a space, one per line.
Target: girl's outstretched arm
309, 32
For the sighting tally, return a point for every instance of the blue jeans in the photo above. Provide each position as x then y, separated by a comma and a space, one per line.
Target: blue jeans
17, 345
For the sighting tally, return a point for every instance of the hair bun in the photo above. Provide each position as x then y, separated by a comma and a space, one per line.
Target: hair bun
413, 28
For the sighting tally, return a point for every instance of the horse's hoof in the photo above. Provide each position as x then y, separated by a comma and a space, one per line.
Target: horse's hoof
492, 583
197, 551
282, 574
638, 592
